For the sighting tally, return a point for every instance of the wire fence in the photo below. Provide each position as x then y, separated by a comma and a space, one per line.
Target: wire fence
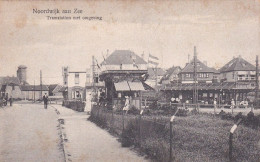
159, 138
142, 131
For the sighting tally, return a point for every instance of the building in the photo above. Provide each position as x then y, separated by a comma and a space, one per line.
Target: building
75, 81
205, 74
241, 73
54, 90
233, 81
238, 70
171, 75
154, 76
21, 74
34, 92
124, 73
10, 86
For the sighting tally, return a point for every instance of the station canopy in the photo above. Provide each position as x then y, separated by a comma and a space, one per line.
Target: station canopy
204, 86
129, 86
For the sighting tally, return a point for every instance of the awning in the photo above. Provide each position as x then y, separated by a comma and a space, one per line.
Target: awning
136, 86
122, 86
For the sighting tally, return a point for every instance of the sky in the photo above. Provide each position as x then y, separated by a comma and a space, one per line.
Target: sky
220, 30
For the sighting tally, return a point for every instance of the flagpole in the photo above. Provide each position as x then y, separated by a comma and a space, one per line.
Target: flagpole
156, 75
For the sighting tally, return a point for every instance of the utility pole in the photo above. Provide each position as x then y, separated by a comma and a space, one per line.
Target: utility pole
156, 75
257, 83
41, 83
34, 91
93, 73
195, 99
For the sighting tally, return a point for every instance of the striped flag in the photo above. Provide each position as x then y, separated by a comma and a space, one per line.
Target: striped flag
153, 60
153, 57
97, 64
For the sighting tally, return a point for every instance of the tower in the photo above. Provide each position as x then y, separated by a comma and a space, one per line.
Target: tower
21, 74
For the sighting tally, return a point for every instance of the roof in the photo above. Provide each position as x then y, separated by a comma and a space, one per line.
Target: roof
63, 89
52, 87
119, 57
169, 72
201, 68
9, 80
201, 86
34, 88
237, 64
22, 67
152, 72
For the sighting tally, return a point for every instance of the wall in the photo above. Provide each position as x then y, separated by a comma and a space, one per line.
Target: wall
233, 75
184, 78
16, 93
29, 95
72, 92
71, 80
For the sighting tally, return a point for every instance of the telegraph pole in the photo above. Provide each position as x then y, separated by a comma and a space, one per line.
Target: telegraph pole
257, 83
156, 75
34, 91
195, 99
93, 72
41, 83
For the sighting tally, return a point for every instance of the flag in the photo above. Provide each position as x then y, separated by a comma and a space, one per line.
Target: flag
153, 57
104, 62
153, 60
97, 64
133, 57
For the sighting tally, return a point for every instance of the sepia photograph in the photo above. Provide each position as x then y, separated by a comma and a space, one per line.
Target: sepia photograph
129, 81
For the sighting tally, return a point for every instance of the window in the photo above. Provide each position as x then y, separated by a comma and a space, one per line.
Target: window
13, 87
233, 75
187, 75
207, 75
76, 78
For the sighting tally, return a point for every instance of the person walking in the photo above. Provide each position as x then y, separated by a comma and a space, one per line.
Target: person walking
215, 105
45, 100
232, 105
127, 104
11, 101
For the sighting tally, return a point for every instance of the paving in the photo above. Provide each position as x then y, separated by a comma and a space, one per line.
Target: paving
87, 142
29, 133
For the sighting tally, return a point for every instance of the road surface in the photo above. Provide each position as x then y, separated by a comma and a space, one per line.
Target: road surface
88, 142
29, 133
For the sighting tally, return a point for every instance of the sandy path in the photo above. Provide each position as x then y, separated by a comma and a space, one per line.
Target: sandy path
29, 133
87, 142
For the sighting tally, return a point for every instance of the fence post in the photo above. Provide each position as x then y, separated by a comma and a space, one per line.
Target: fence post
232, 130
123, 121
171, 121
112, 118
140, 118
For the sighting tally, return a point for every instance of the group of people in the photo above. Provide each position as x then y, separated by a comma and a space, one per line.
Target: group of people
5, 101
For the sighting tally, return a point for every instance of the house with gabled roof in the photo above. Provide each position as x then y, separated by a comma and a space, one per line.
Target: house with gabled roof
171, 75
54, 90
238, 69
10, 86
124, 60
124, 73
153, 75
205, 74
